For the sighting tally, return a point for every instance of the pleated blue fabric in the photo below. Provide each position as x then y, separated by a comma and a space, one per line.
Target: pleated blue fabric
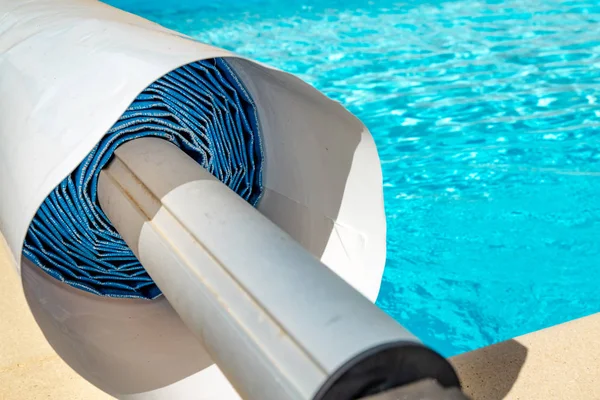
205, 110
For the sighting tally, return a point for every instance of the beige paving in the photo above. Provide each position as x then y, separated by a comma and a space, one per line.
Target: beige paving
560, 363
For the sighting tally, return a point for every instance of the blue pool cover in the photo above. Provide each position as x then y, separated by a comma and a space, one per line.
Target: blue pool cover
204, 109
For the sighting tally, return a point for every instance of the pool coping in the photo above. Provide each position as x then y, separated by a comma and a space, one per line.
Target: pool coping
560, 362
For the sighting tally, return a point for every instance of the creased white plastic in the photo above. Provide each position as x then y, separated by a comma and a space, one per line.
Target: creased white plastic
68, 70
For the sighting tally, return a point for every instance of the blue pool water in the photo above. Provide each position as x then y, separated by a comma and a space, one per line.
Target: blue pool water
487, 119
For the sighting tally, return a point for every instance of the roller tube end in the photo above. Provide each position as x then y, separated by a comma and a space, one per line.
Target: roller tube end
386, 367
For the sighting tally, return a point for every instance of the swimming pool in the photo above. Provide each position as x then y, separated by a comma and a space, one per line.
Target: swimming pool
487, 119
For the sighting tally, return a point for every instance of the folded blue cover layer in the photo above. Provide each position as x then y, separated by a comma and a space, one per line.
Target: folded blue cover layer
205, 110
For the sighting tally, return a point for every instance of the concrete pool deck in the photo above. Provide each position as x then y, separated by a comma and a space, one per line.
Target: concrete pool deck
562, 362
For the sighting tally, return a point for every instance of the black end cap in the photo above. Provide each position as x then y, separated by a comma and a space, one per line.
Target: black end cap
386, 367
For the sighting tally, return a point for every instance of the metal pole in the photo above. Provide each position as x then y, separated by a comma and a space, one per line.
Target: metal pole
279, 323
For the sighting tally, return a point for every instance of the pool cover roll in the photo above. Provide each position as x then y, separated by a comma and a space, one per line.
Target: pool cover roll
205, 110
72, 68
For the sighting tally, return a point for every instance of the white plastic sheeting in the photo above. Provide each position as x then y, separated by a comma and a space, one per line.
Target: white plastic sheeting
68, 70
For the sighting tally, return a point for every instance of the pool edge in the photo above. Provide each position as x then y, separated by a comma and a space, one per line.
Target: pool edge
560, 362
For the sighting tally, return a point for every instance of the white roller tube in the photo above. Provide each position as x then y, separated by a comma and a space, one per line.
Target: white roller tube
279, 323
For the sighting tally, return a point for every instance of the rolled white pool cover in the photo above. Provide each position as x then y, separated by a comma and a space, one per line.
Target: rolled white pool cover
80, 76
73, 67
